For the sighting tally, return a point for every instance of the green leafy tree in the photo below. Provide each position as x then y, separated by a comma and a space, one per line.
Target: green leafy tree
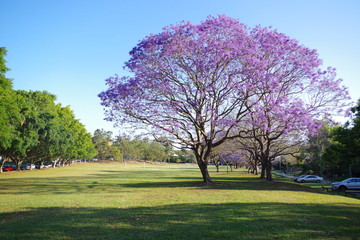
103, 143
124, 144
25, 131
43, 125
143, 149
115, 153
342, 156
83, 143
168, 148
155, 151
9, 114
63, 135
315, 148
82, 147
183, 155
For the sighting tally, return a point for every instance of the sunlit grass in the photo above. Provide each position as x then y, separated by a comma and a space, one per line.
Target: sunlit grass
156, 201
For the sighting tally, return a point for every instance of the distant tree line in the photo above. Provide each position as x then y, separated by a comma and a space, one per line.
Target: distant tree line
139, 148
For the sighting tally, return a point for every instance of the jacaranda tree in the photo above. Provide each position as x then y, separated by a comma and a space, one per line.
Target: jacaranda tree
198, 83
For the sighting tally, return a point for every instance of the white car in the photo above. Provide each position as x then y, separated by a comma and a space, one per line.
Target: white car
310, 178
296, 178
349, 183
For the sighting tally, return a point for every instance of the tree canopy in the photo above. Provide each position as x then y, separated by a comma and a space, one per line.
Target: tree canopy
103, 143
198, 83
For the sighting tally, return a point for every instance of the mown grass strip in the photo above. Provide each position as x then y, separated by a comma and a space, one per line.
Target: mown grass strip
118, 201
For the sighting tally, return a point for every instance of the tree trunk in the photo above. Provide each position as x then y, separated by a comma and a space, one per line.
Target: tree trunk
41, 165
18, 163
2, 164
204, 171
263, 168
256, 167
54, 163
268, 171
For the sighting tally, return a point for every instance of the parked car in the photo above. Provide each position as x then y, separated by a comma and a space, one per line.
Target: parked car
296, 178
39, 165
27, 166
47, 165
7, 168
12, 165
349, 183
310, 178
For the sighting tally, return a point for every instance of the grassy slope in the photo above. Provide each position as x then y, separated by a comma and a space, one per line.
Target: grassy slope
114, 201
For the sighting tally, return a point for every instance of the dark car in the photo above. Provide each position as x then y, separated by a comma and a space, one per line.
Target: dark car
27, 166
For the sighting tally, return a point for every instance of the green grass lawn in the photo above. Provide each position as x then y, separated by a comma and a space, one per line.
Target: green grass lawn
136, 201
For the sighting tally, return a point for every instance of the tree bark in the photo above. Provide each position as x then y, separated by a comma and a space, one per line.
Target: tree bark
268, 171
2, 164
54, 163
204, 171
41, 164
217, 166
263, 168
256, 167
18, 162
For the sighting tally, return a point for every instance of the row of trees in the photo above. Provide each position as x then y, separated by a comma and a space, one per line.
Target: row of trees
33, 128
218, 81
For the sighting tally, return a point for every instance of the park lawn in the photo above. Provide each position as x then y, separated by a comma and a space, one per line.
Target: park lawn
167, 201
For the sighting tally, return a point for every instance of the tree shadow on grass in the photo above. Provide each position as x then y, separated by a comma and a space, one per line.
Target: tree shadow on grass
115, 182
252, 221
62, 185
224, 183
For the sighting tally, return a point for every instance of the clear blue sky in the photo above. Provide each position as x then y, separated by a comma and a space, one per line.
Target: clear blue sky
69, 47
